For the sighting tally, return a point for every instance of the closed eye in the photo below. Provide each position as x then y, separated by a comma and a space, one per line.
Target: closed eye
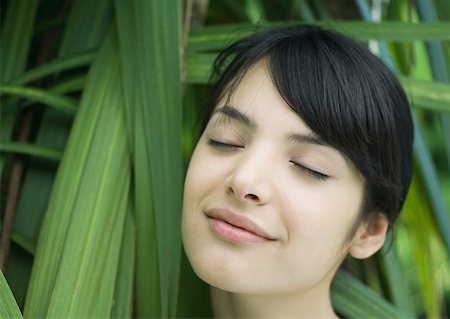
221, 145
310, 172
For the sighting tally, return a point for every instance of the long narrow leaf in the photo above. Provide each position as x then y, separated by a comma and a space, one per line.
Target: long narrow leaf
69, 86
433, 96
396, 281
53, 67
217, 37
198, 67
17, 30
353, 299
432, 185
61, 103
8, 306
418, 219
24, 243
123, 295
149, 37
31, 149
16, 37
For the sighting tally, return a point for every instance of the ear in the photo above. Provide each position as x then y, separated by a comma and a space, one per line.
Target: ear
369, 237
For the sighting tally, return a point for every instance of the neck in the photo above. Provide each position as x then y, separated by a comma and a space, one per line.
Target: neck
313, 304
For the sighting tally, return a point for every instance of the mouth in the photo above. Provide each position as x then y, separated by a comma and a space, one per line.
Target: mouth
236, 228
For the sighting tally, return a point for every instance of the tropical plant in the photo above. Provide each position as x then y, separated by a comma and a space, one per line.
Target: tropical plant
99, 106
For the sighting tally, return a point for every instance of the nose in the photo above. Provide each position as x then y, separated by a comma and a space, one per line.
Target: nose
249, 182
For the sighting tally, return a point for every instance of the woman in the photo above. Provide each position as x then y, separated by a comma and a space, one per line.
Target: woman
305, 158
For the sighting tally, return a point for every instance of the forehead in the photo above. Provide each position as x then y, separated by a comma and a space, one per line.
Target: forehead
258, 103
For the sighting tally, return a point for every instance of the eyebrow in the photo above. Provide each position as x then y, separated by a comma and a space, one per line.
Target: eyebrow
310, 138
236, 115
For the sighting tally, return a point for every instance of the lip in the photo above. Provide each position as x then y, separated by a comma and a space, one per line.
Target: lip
236, 228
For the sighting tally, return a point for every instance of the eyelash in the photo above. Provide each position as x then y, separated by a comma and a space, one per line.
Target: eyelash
314, 174
221, 145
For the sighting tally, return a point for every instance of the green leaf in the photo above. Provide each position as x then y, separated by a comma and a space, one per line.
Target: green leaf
198, 67
123, 292
395, 278
8, 307
149, 38
31, 149
71, 85
418, 219
305, 10
353, 299
430, 180
218, 36
86, 33
78, 251
25, 243
428, 95
54, 67
59, 102
16, 37
17, 30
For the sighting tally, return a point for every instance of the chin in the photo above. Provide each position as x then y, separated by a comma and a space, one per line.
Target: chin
233, 284
228, 277
216, 273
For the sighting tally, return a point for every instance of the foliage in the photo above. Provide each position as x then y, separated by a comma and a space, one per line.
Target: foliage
99, 106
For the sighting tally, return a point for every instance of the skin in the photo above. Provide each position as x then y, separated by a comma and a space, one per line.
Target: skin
264, 163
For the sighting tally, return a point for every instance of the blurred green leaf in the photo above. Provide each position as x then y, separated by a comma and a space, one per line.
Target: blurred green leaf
71, 85
59, 102
16, 36
418, 217
396, 281
217, 37
53, 67
198, 67
428, 95
352, 299
31, 149
430, 181
17, 31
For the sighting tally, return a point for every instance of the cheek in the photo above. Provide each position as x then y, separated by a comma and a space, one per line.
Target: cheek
323, 215
191, 213
199, 184
202, 175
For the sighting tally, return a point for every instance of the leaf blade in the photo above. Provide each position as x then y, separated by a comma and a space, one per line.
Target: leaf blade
9, 307
57, 101
218, 36
149, 37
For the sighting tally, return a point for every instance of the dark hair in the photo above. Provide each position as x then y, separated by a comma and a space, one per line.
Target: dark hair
343, 93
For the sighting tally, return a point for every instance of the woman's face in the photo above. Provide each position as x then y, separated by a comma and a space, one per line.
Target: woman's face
268, 206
